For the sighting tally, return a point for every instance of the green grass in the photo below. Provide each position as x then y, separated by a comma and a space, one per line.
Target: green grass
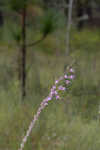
70, 124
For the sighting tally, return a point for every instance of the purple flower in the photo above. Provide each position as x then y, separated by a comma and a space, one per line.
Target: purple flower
57, 97
52, 93
72, 70
61, 88
54, 87
56, 81
49, 98
56, 92
71, 77
65, 76
67, 81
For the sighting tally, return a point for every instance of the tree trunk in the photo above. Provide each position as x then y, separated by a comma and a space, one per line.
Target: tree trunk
80, 13
66, 9
23, 54
1, 18
69, 22
89, 11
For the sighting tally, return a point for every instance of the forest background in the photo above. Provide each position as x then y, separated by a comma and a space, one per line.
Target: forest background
35, 49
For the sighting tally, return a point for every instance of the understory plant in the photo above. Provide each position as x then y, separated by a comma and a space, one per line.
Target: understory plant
62, 84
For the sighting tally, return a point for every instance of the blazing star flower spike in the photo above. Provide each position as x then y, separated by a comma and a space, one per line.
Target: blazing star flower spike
54, 93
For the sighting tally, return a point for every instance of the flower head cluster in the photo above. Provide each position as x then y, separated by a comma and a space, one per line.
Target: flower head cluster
60, 86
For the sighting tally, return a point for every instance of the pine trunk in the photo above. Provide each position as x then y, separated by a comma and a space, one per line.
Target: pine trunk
23, 54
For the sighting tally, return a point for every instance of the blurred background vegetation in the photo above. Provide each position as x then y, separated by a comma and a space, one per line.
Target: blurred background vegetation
73, 122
